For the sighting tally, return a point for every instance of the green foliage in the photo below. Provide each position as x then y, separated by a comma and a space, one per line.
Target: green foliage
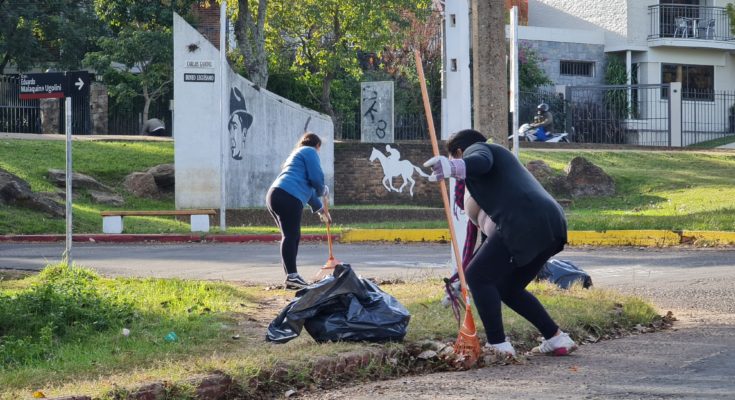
731, 14
147, 63
531, 75
68, 322
136, 61
45, 33
319, 40
616, 100
64, 304
615, 71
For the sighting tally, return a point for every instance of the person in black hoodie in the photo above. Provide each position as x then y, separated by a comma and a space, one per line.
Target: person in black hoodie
526, 228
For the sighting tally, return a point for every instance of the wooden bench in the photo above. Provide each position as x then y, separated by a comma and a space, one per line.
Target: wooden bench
112, 220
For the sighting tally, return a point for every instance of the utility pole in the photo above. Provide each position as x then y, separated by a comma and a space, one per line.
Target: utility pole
489, 74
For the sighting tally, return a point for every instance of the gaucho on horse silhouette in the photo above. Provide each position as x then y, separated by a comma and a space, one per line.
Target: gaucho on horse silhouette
393, 166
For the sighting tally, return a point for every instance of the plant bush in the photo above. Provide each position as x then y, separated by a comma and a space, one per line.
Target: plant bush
64, 303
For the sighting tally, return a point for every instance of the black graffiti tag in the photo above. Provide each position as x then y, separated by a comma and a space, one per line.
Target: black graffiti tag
380, 130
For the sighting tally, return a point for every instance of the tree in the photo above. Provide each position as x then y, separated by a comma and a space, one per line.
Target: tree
44, 33
250, 32
323, 37
137, 61
531, 75
490, 86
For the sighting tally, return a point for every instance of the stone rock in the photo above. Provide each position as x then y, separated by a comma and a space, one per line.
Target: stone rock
78, 181
141, 184
588, 180
112, 199
555, 184
16, 191
164, 175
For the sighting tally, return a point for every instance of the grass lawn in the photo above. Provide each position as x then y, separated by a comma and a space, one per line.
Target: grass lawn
62, 329
655, 189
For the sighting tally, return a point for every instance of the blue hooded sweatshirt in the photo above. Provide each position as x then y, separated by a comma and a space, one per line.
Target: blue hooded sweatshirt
302, 177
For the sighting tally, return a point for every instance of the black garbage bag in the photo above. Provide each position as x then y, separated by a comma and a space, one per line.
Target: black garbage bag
341, 307
564, 273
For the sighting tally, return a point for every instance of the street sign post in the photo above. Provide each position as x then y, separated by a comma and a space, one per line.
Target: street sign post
57, 85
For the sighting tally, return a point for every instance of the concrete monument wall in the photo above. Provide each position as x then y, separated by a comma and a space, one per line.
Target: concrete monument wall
261, 129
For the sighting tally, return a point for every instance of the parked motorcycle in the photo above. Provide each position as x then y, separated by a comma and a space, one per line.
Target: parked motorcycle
528, 134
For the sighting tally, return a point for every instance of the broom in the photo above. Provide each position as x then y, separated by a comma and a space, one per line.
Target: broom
467, 343
328, 268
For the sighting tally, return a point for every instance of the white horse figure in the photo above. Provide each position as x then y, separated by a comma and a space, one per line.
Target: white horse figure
392, 168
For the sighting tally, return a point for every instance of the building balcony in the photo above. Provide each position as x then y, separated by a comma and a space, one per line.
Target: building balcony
690, 26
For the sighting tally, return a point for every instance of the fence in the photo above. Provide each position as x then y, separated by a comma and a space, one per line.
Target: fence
406, 127
528, 103
618, 114
707, 115
689, 22
129, 121
17, 116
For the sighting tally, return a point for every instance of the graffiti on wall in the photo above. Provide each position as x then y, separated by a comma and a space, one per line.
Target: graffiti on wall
393, 166
376, 109
238, 124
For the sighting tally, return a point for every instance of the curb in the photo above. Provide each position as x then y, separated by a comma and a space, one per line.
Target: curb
641, 238
156, 238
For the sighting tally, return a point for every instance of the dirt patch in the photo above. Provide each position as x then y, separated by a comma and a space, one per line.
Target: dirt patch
372, 363
14, 274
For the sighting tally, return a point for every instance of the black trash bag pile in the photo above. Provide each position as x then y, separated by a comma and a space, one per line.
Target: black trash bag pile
341, 307
564, 273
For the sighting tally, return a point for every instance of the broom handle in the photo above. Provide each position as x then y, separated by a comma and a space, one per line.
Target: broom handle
329, 235
442, 183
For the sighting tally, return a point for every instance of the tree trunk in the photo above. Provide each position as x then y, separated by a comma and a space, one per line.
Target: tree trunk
250, 35
4, 63
146, 108
490, 84
326, 102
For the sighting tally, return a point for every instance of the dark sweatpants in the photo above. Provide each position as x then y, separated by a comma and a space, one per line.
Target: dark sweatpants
492, 277
286, 210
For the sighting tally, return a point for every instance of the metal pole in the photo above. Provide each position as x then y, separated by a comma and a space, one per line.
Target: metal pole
67, 250
223, 114
514, 84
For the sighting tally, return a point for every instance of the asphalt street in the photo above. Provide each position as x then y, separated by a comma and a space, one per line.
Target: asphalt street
260, 263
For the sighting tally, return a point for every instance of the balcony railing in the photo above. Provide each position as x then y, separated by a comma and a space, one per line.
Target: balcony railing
689, 22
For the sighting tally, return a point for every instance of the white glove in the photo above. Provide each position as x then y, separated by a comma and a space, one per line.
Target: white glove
326, 191
324, 216
442, 167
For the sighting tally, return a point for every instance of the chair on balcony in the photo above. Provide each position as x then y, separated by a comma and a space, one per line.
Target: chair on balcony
709, 32
682, 27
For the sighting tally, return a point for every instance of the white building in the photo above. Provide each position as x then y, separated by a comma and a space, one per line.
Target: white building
687, 41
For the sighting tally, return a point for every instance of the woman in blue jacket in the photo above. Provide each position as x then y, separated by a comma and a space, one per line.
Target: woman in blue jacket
300, 182
526, 226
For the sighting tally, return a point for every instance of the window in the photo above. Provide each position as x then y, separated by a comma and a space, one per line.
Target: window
697, 81
577, 68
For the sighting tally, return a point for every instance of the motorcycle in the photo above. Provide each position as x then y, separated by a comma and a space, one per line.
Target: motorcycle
528, 134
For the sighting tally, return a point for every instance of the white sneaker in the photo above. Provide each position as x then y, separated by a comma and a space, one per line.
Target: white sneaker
503, 348
559, 345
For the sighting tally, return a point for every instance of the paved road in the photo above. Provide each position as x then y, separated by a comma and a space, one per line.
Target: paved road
259, 262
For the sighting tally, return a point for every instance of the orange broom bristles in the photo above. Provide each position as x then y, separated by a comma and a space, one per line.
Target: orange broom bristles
467, 343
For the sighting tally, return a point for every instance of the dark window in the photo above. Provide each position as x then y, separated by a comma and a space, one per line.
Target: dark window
697, 81
577, 68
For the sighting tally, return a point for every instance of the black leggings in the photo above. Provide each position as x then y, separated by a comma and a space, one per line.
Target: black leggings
286, 210
492, 277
